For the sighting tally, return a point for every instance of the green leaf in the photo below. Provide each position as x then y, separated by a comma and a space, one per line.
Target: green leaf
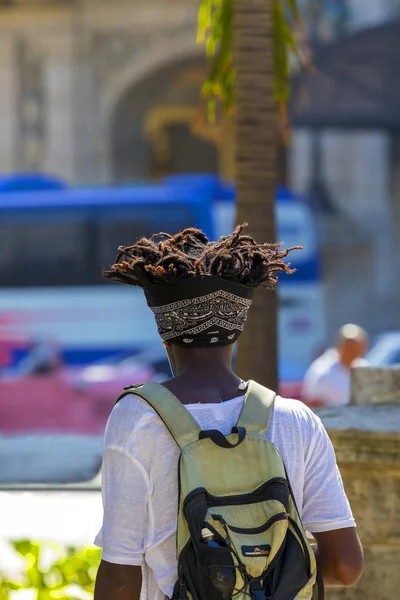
11, 585
53, 595
92, 554
35, 576
71, 575
215, 30
26, 547
294, 9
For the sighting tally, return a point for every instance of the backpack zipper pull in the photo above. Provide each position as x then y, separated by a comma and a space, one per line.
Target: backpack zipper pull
257, 590
225, 526
241, 566
182, 590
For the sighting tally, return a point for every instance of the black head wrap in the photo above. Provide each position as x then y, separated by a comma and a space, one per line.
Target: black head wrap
201, 311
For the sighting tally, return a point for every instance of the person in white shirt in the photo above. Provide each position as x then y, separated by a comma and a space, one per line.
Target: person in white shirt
327, 381
200, 293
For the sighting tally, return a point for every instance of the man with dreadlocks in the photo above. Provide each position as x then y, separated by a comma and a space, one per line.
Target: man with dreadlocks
200, 293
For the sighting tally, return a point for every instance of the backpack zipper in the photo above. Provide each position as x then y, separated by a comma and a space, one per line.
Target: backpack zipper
258, 495
264, 492
300, 535
252, 530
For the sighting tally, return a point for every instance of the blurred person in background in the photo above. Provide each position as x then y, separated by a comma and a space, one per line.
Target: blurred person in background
327, 381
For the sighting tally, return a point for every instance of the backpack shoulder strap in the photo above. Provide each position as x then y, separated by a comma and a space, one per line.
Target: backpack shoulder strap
178, 420
257, 407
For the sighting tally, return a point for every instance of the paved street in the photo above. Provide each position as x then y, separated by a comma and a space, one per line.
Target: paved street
72, 517
65, 513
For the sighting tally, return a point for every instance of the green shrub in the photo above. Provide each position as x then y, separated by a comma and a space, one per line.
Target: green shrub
51, 572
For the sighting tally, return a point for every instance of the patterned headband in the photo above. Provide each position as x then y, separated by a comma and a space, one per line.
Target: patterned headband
200, 311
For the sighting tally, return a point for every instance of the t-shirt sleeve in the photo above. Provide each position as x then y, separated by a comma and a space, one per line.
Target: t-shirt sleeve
125, 489
325, 504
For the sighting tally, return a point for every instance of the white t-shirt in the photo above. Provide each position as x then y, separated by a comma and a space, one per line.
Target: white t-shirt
328, 381
140, 488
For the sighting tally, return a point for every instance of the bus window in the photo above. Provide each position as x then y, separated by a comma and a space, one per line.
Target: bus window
138, 222
42, 253
70, 248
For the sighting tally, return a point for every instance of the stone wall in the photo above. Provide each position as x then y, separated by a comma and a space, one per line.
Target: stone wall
375, 385
367, 445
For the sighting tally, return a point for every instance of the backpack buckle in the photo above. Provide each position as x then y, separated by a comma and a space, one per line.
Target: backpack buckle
257, 590
133, 385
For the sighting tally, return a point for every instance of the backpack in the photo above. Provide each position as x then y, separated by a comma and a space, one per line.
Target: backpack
239, 533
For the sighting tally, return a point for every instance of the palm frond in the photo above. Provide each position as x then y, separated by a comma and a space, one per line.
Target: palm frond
215, 30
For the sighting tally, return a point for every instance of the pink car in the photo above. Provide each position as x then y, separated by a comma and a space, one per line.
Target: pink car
80, 400
65, 401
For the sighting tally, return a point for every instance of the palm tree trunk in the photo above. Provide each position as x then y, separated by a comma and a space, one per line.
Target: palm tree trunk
255, 171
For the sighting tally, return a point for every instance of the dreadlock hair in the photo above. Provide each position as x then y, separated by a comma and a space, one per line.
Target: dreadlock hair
165, 258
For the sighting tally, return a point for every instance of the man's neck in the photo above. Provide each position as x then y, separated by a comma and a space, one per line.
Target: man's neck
208, 371
204, 362
346, 364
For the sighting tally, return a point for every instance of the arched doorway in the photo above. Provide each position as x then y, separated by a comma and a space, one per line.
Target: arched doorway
151, 126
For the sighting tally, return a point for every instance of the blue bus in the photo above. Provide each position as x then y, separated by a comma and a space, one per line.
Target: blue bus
55, 240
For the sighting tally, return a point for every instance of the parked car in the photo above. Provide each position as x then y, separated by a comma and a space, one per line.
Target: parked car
114, 373
386, 350
63, 401
79, 400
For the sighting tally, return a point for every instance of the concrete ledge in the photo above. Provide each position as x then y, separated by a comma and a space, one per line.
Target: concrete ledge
367, 444
375, 385
362, 418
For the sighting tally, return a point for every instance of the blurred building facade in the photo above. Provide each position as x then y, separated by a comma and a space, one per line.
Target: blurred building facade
99, 92
92, 90
358, 171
